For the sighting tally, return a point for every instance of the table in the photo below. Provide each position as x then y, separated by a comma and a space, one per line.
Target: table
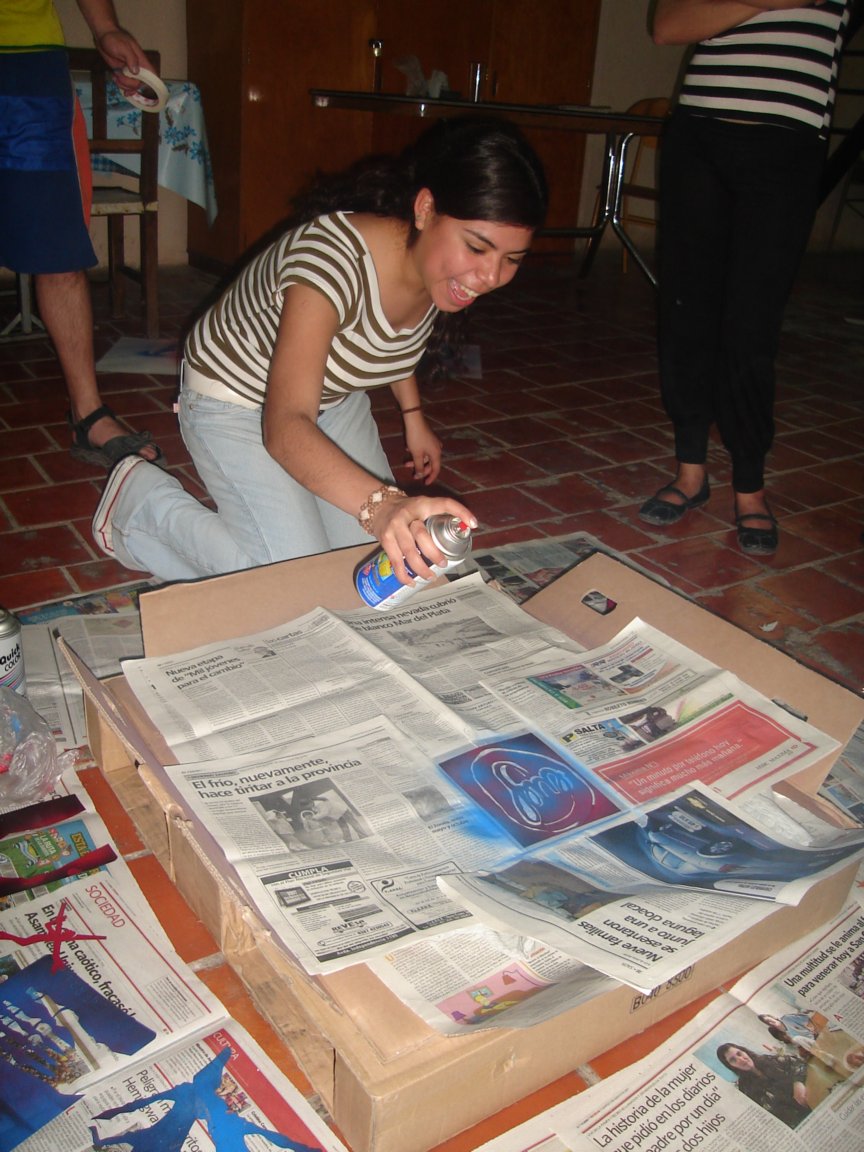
184, 157
618, 128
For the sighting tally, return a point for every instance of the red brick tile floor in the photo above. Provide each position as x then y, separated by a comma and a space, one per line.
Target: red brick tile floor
563, 433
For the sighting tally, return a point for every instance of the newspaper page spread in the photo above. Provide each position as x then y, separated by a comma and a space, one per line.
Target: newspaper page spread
310, 677
776, 1062
646, 896
649, 715
215, 1092
451, 640
107, 1039
339, 840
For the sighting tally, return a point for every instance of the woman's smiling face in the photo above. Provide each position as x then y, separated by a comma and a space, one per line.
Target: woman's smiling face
459, 260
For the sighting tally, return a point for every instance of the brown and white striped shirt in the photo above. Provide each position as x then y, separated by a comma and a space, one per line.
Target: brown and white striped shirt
233, 341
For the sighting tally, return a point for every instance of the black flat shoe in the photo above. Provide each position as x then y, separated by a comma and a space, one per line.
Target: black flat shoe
757, 541
664, 512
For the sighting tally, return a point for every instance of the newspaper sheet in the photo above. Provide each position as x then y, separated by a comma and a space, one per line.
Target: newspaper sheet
618, 900
472, 979
649, 715
103, 630
519, 570
215, 1092
312, 676
107, 1039
778, 1061
844, 784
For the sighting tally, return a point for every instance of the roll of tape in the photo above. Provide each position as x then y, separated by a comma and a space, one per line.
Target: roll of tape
147, 103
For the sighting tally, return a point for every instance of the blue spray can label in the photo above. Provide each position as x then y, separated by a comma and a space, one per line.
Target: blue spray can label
378, 585
11, 654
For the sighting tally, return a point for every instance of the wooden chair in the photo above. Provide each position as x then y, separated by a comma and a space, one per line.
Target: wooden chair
640, 181
137, 196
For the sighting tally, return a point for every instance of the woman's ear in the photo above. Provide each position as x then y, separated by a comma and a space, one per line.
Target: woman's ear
424, 206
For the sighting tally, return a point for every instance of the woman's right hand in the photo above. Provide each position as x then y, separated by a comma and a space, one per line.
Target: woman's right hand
400, 525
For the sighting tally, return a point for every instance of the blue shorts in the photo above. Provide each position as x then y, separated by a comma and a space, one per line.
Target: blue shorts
42, 222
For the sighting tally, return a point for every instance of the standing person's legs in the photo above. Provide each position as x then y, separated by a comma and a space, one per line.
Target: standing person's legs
693, 239
66, 311
43, 231
775, 174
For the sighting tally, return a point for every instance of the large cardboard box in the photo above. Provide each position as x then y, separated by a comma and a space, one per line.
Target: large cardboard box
390, 1082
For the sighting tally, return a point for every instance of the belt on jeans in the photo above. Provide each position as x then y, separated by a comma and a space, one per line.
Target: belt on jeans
192, 379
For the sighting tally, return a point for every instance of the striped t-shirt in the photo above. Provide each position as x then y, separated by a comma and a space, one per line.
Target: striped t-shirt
778, 67
233, 342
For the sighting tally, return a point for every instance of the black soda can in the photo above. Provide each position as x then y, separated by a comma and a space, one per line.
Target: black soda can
11, 653
379, 586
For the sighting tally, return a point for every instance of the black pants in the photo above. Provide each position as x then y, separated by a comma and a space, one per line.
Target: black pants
737, 203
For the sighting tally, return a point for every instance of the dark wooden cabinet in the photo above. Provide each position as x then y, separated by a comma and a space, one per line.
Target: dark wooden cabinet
255, 61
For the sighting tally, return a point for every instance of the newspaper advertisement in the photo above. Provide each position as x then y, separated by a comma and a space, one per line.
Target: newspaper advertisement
778, 1061
649, 715
451, 640
617, 898
310, 677
214, 1092
472, 979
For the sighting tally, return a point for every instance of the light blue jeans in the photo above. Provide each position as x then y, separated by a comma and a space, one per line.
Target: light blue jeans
261, 515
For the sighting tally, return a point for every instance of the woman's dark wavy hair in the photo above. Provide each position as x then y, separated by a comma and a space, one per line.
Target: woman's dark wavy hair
722, 1056
477, 168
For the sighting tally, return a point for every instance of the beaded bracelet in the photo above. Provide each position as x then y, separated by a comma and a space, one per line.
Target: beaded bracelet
372, 503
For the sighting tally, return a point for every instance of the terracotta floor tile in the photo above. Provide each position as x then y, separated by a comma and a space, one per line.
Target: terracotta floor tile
757, 611
817, 594
571, 494
123, 831
191, 940
470, 472
704, 562
50, 504
42, 548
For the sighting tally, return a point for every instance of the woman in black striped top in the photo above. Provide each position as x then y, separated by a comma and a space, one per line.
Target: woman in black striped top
741, 164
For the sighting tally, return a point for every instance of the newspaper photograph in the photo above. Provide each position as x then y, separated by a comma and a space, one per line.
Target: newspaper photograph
310, 677
617, 900
776, 1061
649, 715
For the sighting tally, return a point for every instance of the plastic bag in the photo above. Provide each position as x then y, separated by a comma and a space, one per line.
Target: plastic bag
30, 766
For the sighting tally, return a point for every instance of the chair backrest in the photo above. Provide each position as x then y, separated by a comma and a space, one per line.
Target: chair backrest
636, 180
100, 74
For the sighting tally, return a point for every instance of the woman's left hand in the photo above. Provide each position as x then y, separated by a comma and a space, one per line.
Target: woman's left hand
424, 448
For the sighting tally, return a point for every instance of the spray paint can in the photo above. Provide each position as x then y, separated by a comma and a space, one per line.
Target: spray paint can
11, 653
378, 585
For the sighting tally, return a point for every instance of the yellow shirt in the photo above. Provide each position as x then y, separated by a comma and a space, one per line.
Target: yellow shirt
29, 24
